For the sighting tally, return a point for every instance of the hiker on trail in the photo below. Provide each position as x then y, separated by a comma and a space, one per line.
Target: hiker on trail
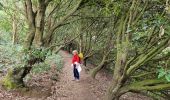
76, 65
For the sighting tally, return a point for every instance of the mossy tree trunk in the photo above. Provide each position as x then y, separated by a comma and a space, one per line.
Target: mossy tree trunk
81, 43
125, 65
104, 61
30, 15
35, 20
121, 74
118, 77
87, 57
14, 30
14, 77
122, 42
40, 17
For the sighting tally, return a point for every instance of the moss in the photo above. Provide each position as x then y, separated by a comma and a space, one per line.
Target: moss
8, 82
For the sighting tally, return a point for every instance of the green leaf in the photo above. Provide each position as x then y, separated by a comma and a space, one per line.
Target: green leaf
161, 73
167, 77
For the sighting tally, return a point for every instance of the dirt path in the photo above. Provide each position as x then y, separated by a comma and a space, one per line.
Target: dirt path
67, 89
86, 88
43, 88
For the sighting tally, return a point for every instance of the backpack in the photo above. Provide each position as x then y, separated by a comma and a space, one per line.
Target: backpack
81, 56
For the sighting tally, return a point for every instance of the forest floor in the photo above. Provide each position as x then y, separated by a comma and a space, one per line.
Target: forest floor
41, 87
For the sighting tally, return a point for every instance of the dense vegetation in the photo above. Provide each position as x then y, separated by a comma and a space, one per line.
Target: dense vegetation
129, 38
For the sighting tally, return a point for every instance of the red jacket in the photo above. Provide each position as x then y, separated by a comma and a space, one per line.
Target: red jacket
75, 59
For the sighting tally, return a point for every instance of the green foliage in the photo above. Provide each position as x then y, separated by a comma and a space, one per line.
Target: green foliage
162, 73
5, 24
34, 53
5, 28
11, 55
10, 13
57, 60
46, 65
40, 67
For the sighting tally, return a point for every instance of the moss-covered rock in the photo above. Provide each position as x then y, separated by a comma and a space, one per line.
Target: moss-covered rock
8, 82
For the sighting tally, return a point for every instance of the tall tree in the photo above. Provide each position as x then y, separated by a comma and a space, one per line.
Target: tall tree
127, 64
36, 21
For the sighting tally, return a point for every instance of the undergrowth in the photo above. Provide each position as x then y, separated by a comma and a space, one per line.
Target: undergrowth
12, 56
46, 65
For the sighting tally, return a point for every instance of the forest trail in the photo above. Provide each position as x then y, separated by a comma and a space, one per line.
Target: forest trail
67, 89
85, 89
41, 87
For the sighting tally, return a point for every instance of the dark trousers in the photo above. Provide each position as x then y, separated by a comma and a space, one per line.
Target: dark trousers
76, 73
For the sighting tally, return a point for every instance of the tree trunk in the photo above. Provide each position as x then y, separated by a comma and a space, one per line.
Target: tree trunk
85, 61
31, 22
38, 37
9, 82
118, 76
39, 23
14, 31
81, 37
36, 23
14, 77
58, 49
112, 92
81, 43
48, 38
30, 37
98, 68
